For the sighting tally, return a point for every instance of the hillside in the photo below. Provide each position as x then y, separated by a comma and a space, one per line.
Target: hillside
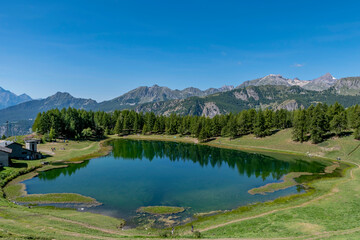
8, 99
29, 110
274, 80
155, 93
275, 97
272, 91
321, 83
347, 86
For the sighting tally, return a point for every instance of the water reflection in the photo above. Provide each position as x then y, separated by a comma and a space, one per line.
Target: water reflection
248, 164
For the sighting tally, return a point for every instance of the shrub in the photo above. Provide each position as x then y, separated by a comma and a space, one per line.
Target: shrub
197, 234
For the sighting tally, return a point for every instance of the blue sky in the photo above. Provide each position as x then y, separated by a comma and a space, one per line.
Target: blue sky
102, 49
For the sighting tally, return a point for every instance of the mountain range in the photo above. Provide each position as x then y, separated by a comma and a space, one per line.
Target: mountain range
319, 84
156, 93
8, 99
271, 91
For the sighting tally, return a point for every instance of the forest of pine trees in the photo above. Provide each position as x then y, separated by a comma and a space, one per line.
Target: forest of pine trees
314, 124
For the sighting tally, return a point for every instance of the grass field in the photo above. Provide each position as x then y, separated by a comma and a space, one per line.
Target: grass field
328, 210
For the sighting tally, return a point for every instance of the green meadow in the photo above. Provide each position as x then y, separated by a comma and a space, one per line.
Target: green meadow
328, 209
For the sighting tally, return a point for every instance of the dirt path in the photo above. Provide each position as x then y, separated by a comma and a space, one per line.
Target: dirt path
104, 230
334, 190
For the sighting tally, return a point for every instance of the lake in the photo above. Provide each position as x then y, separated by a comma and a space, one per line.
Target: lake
150, 173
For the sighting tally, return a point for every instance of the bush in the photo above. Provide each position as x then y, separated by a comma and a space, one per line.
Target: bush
165, 234
197, 234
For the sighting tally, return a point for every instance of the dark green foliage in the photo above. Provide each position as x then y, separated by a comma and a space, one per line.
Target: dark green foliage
197, 234
319, 124
316, 123
300, 128
261, 126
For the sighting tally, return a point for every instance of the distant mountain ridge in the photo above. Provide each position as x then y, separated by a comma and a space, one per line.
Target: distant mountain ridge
275, 80
28, 110
319, 84
271, 91
263, 96
156, 93
322, 83
8, 98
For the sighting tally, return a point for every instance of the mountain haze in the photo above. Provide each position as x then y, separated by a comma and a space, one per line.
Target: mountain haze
8, 98
29, 110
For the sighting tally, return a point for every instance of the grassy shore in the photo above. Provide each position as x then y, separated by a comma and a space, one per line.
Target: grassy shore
328, 210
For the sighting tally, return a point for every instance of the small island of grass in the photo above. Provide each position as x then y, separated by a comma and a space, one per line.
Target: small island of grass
161, 210
57, 198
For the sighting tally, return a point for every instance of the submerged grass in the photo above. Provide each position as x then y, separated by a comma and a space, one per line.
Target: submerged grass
288, 181
161, 209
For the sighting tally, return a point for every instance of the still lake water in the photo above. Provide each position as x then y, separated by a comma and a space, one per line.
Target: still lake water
149, 173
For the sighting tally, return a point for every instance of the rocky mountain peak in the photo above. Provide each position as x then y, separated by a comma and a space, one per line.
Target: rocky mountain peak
321, 83
8, 99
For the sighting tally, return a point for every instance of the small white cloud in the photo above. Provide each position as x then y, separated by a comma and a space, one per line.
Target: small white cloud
298, 65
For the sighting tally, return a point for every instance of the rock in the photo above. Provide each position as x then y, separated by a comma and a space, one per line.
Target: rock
210, 110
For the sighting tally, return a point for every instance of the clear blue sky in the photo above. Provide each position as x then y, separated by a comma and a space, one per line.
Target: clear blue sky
102, 49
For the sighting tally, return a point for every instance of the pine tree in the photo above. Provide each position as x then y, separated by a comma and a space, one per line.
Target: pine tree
319, 123
300, 126
202, 135
259, 128
145, 129
243, 123
156, 128
37, 122
231, 127
118, 126
269, 120
339, 123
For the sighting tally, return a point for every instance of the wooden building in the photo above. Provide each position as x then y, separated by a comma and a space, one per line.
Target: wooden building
18, 152
5, 156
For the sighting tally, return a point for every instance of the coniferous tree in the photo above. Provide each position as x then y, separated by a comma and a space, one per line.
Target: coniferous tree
157, 127
244, 123
314, 122
339, 123
231, 128
37, 122
300, 126
119, 125
259, 128
319, 124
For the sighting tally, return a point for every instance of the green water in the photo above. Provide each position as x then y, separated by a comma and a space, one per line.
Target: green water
149, 173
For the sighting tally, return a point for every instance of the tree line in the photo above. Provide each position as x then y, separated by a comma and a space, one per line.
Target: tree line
315, 123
